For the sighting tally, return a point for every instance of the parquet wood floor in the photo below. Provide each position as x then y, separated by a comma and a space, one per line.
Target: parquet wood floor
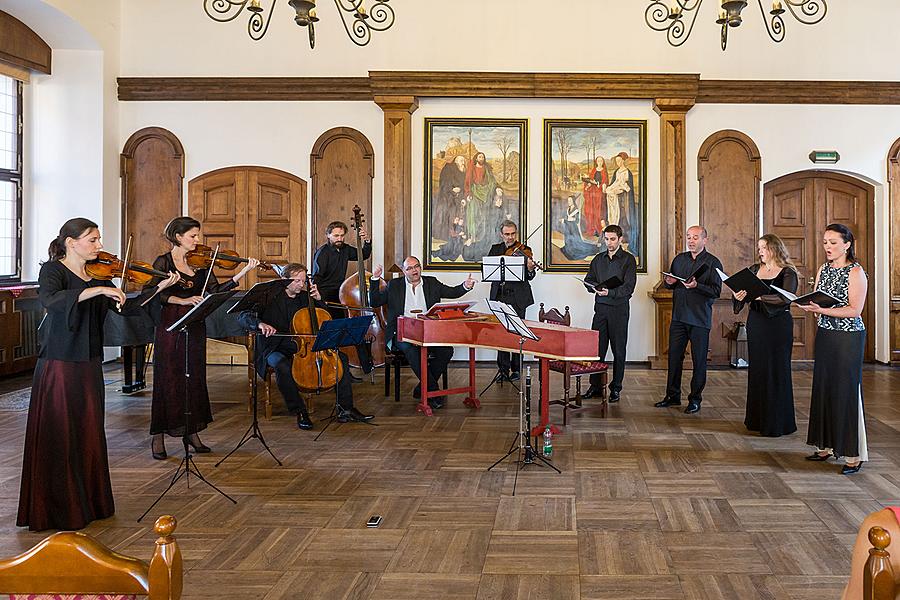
651, 504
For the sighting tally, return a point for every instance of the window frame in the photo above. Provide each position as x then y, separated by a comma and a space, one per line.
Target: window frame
15, 176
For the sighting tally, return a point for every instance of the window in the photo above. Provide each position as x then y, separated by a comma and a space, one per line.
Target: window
10, 178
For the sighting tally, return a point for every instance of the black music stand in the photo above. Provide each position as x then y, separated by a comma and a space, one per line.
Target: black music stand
335, 334
502, 269
522, 440
196, 315
260, 294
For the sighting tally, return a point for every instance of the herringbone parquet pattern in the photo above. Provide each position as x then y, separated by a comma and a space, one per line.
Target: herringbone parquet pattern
651, 503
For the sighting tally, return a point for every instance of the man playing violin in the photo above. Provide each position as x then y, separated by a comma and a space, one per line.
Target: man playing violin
515, 293
329, 267
277, 351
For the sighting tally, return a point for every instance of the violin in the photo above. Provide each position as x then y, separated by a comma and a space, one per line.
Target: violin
201, 257
107, 266
313, 371
520, 249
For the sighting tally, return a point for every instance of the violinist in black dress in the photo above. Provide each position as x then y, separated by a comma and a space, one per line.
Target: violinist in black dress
65, 470
169, 382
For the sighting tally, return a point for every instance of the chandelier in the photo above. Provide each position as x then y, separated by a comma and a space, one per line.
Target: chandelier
671, 18
358, 24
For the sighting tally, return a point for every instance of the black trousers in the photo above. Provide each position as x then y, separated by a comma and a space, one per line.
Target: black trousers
679, 336
364, 350
439, 358
612, 324
506, 361
290, 391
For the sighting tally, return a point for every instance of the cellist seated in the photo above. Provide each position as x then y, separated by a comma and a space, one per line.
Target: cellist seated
277, 351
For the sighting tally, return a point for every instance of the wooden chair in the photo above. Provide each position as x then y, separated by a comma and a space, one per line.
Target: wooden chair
576, 368
73, 563
878, 577
393, 360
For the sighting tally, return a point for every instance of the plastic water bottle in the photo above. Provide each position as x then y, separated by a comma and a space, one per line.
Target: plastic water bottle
548, 442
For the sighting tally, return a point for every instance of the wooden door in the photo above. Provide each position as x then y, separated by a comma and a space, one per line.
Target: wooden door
797, 208
256, 211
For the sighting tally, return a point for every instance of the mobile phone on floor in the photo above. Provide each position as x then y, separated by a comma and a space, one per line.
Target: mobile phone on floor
374, 521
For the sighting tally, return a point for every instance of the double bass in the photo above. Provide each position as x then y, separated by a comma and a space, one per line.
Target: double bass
324, 368
354, 293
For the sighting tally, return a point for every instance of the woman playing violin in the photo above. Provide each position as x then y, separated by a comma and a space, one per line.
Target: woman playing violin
515, 293
65, 470
169, 381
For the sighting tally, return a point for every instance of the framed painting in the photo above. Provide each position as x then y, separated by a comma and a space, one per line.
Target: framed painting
475, 178
595, 174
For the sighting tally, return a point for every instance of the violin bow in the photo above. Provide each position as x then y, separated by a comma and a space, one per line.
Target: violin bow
125, 263
534, 231
212, 266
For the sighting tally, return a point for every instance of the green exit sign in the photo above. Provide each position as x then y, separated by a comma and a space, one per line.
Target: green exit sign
824, 156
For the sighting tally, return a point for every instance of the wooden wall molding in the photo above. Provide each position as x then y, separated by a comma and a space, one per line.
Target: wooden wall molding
341, 167
22, 47
398, 112
893, 165
471, 84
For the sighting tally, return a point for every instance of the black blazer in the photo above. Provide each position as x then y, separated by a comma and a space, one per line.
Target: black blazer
521, 291
395, 297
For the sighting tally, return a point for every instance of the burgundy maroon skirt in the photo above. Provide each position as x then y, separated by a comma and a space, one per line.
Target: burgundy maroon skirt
65, 470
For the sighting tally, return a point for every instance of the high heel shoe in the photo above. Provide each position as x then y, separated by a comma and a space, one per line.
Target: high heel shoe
198, 446
815, 456
161, 455
848, 470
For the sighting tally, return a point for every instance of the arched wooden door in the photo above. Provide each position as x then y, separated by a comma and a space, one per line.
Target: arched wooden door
257, 211
797, 207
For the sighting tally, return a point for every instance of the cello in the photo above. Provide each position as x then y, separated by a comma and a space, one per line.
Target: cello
354, 293
314, 372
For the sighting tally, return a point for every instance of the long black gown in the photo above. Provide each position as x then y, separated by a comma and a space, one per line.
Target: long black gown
770, 338
170, 386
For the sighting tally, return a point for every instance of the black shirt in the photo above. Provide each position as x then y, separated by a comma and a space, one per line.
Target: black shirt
329, 266
694, 306
517, 293
622, 265
73, 330
774, 304
190, 285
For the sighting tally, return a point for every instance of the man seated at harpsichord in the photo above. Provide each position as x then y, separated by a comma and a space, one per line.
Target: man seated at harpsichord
277, 351
409, 296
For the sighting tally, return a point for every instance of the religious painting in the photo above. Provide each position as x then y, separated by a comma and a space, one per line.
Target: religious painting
474, 180
595, 175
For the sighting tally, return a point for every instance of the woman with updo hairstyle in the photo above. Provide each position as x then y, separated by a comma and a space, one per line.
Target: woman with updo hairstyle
770, 339
65, 470
170, 385
837, 426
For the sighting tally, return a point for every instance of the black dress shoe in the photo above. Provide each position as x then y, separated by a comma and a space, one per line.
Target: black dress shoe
591, 392
815, 456
847, 469
437, 402
613, 396
303, 421
417, 391
668, 401
355, 415
692, 407
514, 376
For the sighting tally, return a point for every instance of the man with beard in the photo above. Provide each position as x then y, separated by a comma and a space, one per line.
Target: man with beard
329, 270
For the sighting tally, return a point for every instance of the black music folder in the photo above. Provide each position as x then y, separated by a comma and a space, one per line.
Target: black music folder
823, 299
609, 284
698, 272
745, 280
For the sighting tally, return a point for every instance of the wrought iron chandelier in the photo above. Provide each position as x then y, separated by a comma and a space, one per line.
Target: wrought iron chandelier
671, 18
358, 24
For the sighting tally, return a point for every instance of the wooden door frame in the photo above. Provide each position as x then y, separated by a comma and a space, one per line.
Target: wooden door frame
856, 180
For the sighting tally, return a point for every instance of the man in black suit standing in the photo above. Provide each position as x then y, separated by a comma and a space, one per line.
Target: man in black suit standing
693, 297
408, 297
515, 293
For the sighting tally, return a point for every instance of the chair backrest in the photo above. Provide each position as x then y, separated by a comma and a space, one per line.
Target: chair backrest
74, 563
554, 316
878, 576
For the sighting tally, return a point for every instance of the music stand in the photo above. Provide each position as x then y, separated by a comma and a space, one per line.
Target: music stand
333, 335
194, 316
260, 294
514, 324
502, 269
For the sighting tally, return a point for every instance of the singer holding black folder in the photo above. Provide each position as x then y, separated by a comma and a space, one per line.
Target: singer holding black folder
770, 338
695, 285
612, 275
837, 425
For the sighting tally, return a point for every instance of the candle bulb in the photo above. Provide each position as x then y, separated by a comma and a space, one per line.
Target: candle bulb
776, 5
